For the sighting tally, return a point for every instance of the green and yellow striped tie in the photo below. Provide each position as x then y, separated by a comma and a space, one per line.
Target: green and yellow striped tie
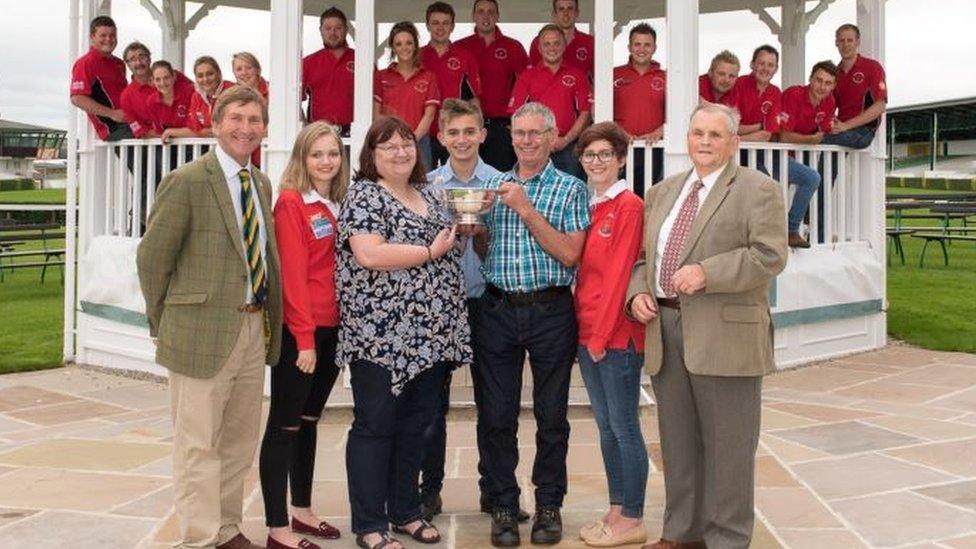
252, 240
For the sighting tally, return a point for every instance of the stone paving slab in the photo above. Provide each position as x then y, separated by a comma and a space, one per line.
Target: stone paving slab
870, 450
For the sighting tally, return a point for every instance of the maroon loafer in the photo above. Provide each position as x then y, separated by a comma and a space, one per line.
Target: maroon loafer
304, 544
239, 542
323, 530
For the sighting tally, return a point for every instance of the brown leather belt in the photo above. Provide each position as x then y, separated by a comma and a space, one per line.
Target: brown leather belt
669, 302
251, 307
525, 298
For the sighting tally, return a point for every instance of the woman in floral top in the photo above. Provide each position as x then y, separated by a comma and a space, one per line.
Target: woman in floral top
401, 296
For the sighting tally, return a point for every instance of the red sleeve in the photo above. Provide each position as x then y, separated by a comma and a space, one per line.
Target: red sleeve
305, 69
704, 86
534, 56
879, 88
290, 233
626, 241
377, 87
520, 92
474, 74
135, 114
771, 119
830, 109
584, 95
197, 119
521, 60
433, 95
80, 81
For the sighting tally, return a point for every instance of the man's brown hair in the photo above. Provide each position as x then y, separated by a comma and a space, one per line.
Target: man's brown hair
238, 95
827, 66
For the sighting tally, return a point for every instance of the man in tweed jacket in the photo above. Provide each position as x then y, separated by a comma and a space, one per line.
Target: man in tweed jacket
208, 312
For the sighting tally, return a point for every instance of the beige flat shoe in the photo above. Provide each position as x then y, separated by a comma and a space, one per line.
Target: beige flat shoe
606, 538
590, 529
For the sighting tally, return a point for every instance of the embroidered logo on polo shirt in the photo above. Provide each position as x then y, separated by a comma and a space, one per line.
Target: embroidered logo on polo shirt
881, 85
767, 107
351, 66
657, 84
421, 86
622, 81
858, 77
569, 80
181, 111
77, 85
581, 54
606, 228
820, 117
200, 118
454, 63
501, 53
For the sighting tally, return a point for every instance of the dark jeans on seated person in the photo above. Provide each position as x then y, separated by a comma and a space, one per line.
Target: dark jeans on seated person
385, 446
858, 138
506, 330
805, 179
288, 447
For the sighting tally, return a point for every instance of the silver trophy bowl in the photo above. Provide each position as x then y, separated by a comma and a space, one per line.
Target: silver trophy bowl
468, 203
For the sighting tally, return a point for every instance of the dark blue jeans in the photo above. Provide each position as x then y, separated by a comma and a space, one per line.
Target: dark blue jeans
613, 385
858, 138
806, 180
385, 447
506, 332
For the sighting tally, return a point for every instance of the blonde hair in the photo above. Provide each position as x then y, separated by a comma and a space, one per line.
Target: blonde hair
248, 58
724, 56
296, 176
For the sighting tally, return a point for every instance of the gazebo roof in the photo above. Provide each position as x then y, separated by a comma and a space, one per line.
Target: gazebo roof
9, 126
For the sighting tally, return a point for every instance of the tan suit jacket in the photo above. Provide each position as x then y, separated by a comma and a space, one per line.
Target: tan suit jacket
192, 271
739, 238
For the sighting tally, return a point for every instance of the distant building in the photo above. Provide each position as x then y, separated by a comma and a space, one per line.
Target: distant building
924, 133
19, 140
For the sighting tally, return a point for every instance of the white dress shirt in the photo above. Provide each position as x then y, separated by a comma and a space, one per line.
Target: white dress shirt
662, 238
233, 178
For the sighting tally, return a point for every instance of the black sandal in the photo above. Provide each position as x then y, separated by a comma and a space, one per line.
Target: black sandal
418, 534
386, 541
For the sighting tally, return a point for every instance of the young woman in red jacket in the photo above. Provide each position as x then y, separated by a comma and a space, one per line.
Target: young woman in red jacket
610, 344
313, 185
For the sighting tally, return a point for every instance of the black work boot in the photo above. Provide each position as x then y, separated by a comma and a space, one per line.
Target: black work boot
547, 528
504, 529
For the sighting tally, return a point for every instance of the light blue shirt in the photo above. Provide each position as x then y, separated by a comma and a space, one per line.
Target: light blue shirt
231, 168
470, 262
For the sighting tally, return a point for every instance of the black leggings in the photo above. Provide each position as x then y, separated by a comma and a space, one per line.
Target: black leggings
288, 447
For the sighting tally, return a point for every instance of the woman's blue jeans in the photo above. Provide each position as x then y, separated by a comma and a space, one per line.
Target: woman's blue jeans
613, 385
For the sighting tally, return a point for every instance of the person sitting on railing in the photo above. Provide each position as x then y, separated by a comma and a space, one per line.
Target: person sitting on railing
639, 100
247, 71
759, 100
97, 81
564, 89
808, 114
718, 84
861, 93
136, 96
169, 107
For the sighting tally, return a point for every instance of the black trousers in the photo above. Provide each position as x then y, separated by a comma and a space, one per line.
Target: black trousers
505, 332
497, 150
288, 446
385, 446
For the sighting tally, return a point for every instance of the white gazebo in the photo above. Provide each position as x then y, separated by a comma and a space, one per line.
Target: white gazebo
829, 301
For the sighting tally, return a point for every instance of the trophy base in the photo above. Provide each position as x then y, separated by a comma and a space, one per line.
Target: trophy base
469, 219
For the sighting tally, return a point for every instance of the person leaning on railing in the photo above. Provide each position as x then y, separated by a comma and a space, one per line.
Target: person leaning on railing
861, 93
209, 85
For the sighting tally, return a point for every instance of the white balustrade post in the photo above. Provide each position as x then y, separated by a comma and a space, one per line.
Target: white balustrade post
363, 78
285, 108
682, 85
603, 61
174, 31
793, 43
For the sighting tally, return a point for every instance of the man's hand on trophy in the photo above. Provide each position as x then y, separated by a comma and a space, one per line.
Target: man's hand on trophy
513, 195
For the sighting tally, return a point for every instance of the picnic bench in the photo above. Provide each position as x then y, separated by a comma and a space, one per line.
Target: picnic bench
941, 238
895, 236
14, 235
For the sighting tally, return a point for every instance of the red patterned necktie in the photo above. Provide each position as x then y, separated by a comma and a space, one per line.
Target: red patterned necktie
677, 238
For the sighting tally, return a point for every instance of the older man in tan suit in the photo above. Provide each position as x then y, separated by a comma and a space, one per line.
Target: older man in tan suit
714, 238
208, 267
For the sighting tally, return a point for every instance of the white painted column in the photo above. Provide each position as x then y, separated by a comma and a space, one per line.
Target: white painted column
363, 98
682, 86
603, 61
174, 33
793, 43
71, 195
285, 108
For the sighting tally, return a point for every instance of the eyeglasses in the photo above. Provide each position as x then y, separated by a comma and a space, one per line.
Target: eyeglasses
604, 156
135, 57
407, 148
531, 135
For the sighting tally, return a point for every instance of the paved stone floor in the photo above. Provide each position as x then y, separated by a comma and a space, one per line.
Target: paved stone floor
873, 450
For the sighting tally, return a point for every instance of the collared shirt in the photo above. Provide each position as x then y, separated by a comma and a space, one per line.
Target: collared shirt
201, 106
579, 53
566, 92
801, 116
406, 97
859, 88
499, 63
612, 192
758, 107
706, 92
638, 99
470, 263
328, 82
231, 168
101, 77
662, 238
457, 74
176, 115
516, 262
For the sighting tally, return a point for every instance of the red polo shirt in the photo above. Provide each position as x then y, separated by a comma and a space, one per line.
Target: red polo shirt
801, 116
638, 99
305, 229
135, 103
177, 115
405, 98
579, 53
457, 74
757, 107
200, 107
566, 92
101, 77
859, 88
499, 64
705, 91
328, 82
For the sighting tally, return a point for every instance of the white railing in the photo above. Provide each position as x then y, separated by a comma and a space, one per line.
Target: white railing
652, 155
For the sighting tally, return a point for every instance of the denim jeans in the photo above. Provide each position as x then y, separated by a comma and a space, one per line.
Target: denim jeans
806, 180
385, 445
613, 385
858, 138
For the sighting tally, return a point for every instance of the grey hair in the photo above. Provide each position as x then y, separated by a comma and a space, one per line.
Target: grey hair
533, 107
732, 116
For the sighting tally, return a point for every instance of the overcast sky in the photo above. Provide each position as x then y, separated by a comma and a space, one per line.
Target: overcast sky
930, 44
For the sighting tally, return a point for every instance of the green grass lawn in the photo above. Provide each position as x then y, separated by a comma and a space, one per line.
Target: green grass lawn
31, 316
37, 196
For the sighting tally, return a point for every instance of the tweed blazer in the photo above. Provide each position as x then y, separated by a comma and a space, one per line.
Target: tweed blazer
192, 270
739, 238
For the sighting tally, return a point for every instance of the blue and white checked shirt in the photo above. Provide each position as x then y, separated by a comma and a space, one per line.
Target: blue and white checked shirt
470, 262
516, 262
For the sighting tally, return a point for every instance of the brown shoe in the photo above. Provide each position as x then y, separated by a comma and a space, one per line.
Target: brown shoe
797, 241
239, 542
666, 544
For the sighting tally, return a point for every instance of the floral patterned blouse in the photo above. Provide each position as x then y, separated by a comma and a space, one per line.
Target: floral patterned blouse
405, 320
